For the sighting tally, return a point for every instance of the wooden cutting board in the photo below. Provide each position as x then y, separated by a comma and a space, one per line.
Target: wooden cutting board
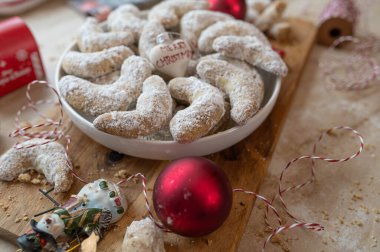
245, 164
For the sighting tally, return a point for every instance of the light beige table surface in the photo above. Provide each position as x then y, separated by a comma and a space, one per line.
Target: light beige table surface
351, 225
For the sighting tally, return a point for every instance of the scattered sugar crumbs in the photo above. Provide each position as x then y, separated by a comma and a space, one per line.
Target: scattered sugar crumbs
356, 197
365, 209
357, 223
4, 206
24, 177
325, 215
369, 147
32, 177
331, 133
284, 246
123, 174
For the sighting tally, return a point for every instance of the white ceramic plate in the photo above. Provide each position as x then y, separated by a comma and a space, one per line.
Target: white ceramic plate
168, 150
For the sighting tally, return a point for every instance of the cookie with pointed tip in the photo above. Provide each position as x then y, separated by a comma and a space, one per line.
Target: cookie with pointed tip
92, 38
270, 15
149, 36
168, 13
153, 112
245, 89
126, 18
258, 5
94, 100
251, 50
95, 64
194, 22
236, 62
206, 108
48, 159
231, 27
192, 67
143, 236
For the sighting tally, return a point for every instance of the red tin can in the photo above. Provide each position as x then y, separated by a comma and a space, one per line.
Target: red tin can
20, 60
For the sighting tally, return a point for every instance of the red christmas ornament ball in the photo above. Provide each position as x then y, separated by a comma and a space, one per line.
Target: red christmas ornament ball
192, 196
236, 8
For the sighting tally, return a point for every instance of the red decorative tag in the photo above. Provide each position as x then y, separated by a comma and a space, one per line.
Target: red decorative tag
20, 61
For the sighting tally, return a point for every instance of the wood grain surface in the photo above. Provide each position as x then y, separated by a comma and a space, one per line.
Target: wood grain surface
245, 164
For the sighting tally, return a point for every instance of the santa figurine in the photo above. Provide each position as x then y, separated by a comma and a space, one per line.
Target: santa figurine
91, 211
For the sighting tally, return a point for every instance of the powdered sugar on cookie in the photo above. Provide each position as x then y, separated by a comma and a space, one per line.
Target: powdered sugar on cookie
149, 36
232, 27
126, 18
92, 65
244, 88
251, 50
194, 22
49, 159
94, 100
168, 13
153, 112
92, 38
204, 112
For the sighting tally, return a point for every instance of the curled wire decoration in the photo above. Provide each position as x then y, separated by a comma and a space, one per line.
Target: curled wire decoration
266, 201
351, 70
144, 187
58, 132
297, 222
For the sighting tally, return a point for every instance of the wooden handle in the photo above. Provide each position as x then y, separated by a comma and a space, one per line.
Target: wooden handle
90, 244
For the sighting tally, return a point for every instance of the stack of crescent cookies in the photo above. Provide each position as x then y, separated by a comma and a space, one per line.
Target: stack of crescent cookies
112, 79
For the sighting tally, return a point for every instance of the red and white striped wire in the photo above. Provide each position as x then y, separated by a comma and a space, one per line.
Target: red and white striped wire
57, 133
313, 157
355, 70
150, 213
269, 203
281, 191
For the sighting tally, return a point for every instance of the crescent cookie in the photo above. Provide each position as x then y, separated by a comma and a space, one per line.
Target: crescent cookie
126, 18
191, 68
49, 159
148, 37
236, 62
245, 89
194, 22
92, 38
153, 112
251, 50
168, 13
95, 64
232, 27
94, 100
224, 121
205, 111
